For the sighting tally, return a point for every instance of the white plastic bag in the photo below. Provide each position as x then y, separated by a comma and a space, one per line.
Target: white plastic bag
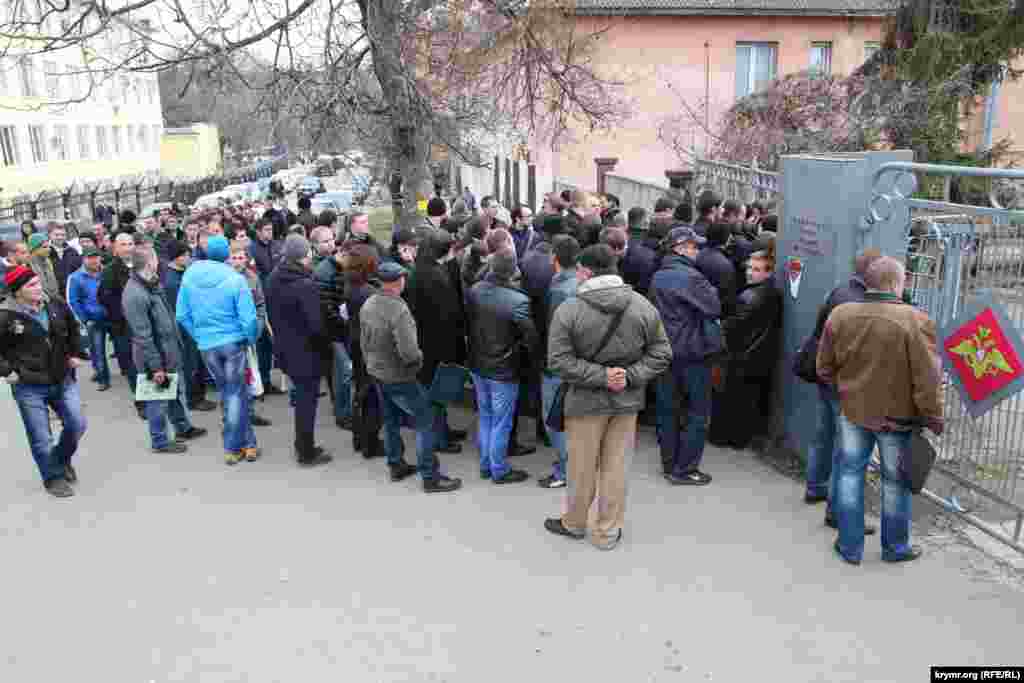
252, 373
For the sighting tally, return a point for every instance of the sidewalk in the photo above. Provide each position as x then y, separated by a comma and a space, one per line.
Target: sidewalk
178, 568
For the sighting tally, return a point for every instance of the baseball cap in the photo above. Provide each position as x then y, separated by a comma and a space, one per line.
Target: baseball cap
389, 271
680, 235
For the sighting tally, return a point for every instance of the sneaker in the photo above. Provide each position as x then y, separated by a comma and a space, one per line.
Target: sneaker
260, 421
251, 454
909, 556
450, 448
442, 484
319, 457
59, 488
694, 478
401, 471
233, 458
551, 482
190, 434
344, 423
203, 406
512, 477
173, 447
555, 526
70, 475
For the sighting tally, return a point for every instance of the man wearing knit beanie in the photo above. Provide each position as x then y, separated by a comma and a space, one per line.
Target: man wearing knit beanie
40, 349
216, 309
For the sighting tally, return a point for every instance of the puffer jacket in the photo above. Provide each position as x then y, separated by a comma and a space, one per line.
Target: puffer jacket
686, 301
39, 356
501, 331
752, 331
83, 288
215, 306
331, 282
639, 346
155, 341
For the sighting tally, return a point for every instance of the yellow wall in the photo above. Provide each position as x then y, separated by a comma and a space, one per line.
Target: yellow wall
192, 152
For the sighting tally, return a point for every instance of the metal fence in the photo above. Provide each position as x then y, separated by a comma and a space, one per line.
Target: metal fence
953, 252
80, 201
742, 183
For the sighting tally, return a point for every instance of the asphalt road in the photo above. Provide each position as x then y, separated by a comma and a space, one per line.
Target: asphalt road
179, 568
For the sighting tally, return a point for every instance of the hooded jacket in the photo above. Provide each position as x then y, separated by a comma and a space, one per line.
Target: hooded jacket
687, 301
216, 307
83, 291
155, 341
293, 303
436, 307
639, 346
38, 355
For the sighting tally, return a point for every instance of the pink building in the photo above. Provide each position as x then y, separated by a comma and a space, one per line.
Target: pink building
705, 53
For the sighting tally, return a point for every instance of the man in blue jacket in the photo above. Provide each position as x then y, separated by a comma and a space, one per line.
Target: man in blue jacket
689, 308
83, 288
216, 309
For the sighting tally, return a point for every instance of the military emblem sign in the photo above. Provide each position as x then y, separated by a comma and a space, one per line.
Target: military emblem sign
982, 350
794, 273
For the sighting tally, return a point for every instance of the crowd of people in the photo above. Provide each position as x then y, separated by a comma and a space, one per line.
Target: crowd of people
584, 318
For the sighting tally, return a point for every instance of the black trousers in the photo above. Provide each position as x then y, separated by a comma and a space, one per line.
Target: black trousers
741, 411
307, 390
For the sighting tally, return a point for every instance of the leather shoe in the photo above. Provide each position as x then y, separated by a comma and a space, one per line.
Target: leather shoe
192, 433
344, 423
70, 475
515, 450
450, 448
103, 387
203, 406
319, 457
272, 390
401, 471
442, 485
457, 435
260, 421
909, 556
512, 477
812, 499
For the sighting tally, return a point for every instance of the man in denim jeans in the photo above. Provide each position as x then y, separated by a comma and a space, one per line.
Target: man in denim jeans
880, 355
387, 337
823, 450
40, 348
216, 309
83, 286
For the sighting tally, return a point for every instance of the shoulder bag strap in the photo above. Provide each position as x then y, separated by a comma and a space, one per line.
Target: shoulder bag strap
616, 321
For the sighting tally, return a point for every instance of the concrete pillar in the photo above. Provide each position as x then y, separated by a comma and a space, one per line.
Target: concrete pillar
604, 166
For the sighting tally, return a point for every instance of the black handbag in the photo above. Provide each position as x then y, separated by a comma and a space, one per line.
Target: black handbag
916, 461
449, 383
556, 416
805, 362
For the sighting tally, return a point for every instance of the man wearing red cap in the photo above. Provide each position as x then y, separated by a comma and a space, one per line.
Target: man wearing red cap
40, 348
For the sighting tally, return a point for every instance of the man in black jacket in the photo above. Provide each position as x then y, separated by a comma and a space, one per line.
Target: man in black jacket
266, 254
331, 281
500, 331
752, 338
40, 349
111, 289
718, 267
64, 258
641, 259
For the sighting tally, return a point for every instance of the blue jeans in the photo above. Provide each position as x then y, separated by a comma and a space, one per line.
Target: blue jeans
855, 446
549, 387
824, 449
123, 352
265, 356
409, 398
97, 332
496, 403
33, 401
342, 382
157, 413
227, 365
688, 445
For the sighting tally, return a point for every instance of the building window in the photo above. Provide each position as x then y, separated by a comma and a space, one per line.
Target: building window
102, 149
821, 59
37, 142
26, 71
83, 142
130, 146
52, 82
9, 145
60, 142
870, 48
755, 66
116, 137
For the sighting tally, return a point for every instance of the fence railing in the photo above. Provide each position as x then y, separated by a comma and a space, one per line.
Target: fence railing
742, 183
80, 201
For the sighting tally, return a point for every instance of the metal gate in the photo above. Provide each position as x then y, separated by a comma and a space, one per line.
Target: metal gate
953, 252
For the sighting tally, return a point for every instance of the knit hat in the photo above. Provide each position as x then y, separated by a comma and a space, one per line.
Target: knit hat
389, 271
36, 240
18, 277
296, 247
503, 264
176, 249
217, 248
436, 207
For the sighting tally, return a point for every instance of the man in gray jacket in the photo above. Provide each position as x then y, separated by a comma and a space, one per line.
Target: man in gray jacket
157, 350
606, 377
387, 336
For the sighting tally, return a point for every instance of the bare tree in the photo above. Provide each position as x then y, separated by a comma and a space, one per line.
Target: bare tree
406, 74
